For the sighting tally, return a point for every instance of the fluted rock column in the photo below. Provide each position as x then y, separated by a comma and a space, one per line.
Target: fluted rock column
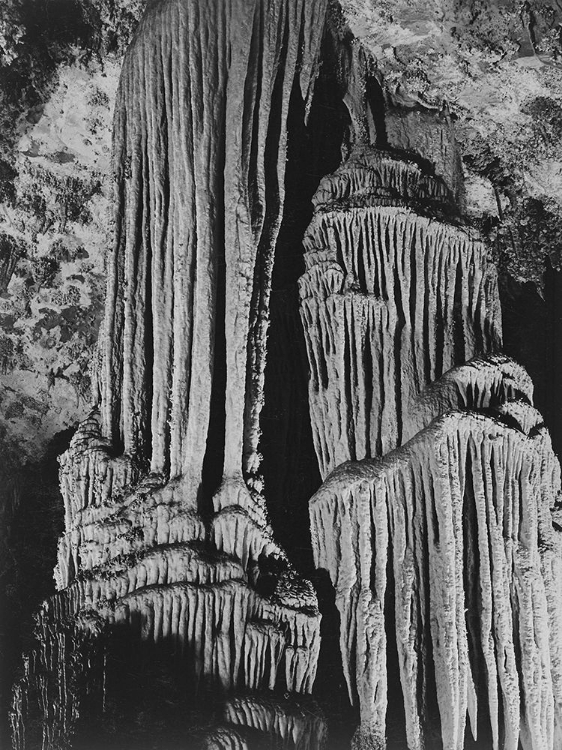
200, 143
199, 149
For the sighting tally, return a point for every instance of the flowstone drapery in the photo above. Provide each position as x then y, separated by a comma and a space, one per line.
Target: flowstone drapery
200, 140
441, 539
391, 300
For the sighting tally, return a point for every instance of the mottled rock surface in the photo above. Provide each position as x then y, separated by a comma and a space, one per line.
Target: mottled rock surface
495, 65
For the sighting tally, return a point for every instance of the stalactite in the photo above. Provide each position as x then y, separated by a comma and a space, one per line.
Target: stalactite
224, 738
491, 383
390, 301
296, 726
471, 497
451, 516
192, 194
370, 177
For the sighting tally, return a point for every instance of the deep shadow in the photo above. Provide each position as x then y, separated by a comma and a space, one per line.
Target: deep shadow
290, 467
146, 700
532, 334
31, 527
330, 689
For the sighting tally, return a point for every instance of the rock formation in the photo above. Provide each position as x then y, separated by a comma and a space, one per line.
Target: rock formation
199, 206
200, 148
437, 521
376, 332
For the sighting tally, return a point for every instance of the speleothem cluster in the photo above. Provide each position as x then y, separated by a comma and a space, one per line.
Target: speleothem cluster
436, 520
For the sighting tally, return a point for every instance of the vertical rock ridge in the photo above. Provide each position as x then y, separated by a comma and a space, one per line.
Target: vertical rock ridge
200, 171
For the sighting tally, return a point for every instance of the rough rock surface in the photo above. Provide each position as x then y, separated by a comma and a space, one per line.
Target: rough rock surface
496, 67
59, 68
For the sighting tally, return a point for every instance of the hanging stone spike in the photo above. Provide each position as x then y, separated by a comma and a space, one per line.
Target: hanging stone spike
402, 324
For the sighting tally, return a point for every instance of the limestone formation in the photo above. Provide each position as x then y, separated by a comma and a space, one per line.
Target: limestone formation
462, 515
439, 517
200, 139
200, 148
436, 521
391, 300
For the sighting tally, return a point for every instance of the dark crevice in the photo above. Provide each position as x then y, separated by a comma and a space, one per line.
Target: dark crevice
366, 361
458, 320
330, 689
439, 328
375, 100
32, 520
266, 220
213, 461
148, 325
399, 333
427, 327
471, 570
290, 467
149, 700
395, 715
532, 336
349, 388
